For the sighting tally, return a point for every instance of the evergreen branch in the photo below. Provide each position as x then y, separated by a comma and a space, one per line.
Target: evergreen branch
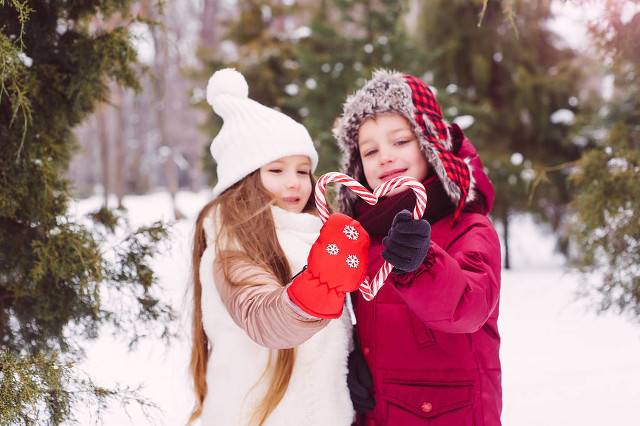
508, 10
511, 17
25, 378
23, 15
29, 383
482, 12
12, 85
542, 175
26, 115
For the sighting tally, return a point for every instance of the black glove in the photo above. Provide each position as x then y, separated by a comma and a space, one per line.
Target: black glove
360, 381
407, 243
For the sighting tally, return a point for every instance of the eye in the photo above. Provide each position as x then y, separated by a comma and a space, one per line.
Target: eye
369, 152
303, 172
275, 170
403, 141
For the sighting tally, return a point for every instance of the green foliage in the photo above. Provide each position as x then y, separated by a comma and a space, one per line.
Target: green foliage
496, 61
40, 389
264, 56
14, 83
265, 49
30, 389
130, 274
510, 74
348, 41
61, 277
605, 227
607, 203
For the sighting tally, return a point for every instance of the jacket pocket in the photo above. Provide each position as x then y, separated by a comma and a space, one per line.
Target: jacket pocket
442, 403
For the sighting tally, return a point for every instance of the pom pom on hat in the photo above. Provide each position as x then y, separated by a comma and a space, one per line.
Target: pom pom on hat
252, 134
226, 81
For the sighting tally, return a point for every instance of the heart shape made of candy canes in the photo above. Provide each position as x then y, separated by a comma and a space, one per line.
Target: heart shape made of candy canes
369, 290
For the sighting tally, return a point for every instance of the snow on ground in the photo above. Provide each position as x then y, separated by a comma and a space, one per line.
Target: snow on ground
562, 363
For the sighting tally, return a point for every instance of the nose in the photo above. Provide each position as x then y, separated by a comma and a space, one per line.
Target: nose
385, 156
292, 181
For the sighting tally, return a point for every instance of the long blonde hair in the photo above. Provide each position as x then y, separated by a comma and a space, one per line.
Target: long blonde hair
244, 217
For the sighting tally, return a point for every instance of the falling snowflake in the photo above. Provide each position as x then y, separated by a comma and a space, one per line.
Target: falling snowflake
332, 249
352, 261
350, 232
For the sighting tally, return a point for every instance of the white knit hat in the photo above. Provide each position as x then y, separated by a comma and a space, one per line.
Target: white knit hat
252, 134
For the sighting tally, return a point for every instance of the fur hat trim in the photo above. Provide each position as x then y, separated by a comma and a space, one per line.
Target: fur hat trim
390, 92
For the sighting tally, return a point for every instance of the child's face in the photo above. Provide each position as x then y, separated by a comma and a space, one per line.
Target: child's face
389, 148
288, 180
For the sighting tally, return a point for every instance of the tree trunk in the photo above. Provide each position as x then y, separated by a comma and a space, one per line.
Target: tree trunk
505, 236
140, 172
101, 118
209, 36
120, 145
159, 83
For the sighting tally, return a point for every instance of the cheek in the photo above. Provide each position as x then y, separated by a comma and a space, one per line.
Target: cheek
307, 187
423, 168
268, 183
370, 170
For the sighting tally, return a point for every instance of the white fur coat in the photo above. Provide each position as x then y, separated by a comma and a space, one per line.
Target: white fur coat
317, 393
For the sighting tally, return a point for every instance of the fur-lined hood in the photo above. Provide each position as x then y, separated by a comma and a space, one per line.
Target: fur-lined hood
393, 92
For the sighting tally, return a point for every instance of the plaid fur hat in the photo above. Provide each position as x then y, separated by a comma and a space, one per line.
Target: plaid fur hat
392, 92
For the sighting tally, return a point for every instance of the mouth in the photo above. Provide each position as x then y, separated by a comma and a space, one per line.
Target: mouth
391, 174
291, 200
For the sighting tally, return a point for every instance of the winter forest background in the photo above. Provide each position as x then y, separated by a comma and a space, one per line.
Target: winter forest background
103, 102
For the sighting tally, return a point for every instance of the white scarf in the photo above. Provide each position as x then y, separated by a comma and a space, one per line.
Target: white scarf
317, 392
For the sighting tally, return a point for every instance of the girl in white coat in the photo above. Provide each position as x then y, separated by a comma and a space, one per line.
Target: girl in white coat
265, 349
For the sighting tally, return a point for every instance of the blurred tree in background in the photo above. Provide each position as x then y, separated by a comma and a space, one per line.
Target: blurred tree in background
606, 181
519, 86
552, 144
55, 270
259, 40
305, 57
347, 40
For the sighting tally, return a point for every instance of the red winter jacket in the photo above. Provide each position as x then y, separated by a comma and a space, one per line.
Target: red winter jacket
430, 337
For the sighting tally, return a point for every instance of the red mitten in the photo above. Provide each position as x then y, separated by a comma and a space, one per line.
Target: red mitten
336, 265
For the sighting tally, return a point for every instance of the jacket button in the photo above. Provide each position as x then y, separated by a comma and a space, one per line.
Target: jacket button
426, 407
365, 351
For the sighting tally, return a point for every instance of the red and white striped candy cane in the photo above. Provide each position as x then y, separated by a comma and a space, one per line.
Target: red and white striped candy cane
369, 290
354, 185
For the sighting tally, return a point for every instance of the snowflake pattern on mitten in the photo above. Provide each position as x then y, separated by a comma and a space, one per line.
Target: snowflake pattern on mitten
340, 263
352, 261
337, 264
350, 232
333, 249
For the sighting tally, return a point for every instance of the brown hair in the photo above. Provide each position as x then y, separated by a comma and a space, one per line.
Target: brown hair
246, 202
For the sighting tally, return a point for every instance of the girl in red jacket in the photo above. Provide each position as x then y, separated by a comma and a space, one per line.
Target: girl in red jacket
430, 336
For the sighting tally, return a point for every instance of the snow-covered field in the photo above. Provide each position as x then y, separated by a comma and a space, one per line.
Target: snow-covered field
562, 363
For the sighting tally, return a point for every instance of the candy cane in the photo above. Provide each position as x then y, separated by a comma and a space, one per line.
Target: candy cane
354, 185
369, 290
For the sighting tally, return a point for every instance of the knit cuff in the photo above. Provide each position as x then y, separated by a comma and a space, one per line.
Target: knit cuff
405, 279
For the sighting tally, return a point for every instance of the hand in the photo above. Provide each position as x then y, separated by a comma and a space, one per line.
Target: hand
336, 265
407, 243
360, 381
